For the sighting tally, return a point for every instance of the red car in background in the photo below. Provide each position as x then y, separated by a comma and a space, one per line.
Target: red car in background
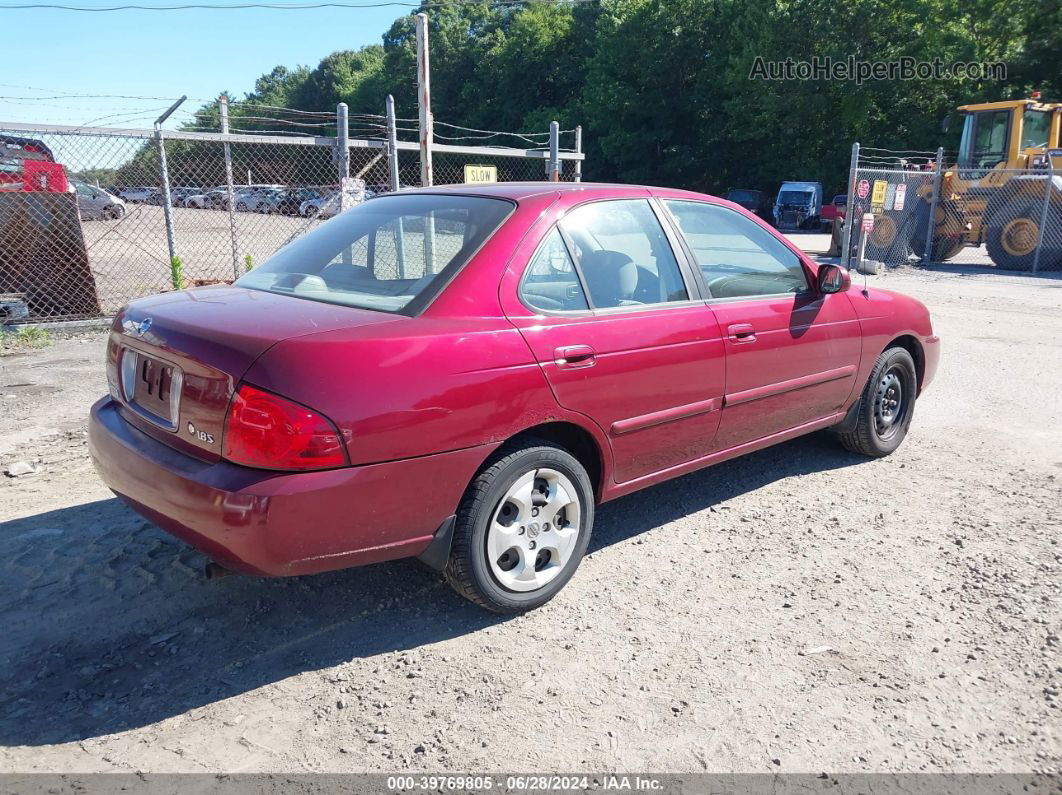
461, 374
835, 209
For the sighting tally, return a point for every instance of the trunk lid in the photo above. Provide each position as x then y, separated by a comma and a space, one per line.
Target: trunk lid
174, 359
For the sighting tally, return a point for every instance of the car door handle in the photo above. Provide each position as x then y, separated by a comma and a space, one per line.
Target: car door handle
742, 332
573, 356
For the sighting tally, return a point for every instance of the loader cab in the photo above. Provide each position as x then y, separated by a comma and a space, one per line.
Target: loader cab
1005, 135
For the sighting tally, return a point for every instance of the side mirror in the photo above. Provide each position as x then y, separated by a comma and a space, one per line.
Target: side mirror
833, 279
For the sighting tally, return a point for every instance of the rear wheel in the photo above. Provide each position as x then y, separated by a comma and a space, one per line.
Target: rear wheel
521, 529
886, 406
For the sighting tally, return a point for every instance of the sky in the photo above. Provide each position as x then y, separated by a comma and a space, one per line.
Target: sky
164, 54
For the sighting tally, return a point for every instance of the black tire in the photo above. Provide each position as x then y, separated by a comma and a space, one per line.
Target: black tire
948, 238
241, 206
1012, 236
468, 570
312, 211
879, 430
890, 240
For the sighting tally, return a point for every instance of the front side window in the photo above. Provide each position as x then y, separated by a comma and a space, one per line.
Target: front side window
737, 257
623, 254
383, 253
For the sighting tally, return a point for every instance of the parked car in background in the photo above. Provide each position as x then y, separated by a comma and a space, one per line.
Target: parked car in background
325, 205
178, 196
834, 210
755, 201
288, 202
265, 201
353, 400
137, 194
246, 197
96, 204
206, 199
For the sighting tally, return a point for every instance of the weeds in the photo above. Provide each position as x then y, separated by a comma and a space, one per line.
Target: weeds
25, 337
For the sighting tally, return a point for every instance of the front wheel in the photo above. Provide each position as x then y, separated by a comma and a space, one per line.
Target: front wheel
886, 406
1012, 238
521, 529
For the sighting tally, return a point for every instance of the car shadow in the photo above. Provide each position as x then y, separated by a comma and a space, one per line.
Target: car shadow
111, 626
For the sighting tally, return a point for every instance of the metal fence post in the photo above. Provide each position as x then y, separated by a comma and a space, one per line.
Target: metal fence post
396, 184
554, 152
849, 215
392, 144
343, 159
931, 221
578, 176
342, 142
230, 193
1048, 184
427, 132
167, 201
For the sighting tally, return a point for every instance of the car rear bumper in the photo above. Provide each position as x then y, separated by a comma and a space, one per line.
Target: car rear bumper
281, 524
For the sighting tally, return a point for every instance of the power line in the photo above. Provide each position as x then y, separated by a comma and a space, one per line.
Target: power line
242, 6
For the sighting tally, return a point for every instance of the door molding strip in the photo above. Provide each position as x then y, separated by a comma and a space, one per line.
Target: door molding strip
781, 387
665, 415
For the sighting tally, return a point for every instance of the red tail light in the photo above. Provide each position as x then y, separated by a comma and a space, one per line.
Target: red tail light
266, 431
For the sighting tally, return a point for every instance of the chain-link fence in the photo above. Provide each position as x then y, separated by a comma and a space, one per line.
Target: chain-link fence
912, 207
85, 225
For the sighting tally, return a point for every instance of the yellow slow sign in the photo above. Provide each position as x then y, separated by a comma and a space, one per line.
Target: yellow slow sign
480, 174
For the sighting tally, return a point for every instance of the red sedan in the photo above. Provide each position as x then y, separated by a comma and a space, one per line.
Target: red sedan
461, 374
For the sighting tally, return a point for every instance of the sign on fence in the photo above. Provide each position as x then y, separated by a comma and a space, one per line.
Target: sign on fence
478, 175
877, 199
901, 194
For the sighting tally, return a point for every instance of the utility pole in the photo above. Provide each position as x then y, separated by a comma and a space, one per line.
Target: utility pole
424, 101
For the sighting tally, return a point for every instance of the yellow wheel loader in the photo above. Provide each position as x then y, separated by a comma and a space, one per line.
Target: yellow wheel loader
993, 195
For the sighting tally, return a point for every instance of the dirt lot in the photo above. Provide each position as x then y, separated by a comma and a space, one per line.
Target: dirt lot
690, 639
129, 257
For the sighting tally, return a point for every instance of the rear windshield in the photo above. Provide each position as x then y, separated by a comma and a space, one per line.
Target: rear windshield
383, 253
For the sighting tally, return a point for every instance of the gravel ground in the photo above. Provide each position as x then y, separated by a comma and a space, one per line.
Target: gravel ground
799, 609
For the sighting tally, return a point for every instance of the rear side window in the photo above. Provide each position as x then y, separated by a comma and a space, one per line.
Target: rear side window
550, 282
383, 253
737, 257
623, 254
